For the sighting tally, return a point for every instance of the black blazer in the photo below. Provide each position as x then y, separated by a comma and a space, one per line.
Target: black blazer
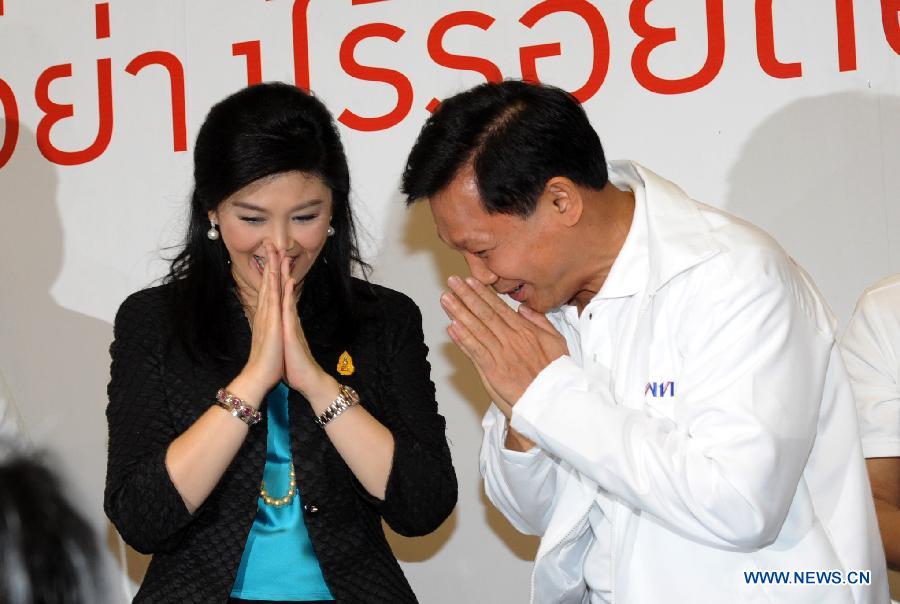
156, 392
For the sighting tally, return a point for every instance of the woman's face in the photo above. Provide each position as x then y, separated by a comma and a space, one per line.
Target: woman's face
292, 210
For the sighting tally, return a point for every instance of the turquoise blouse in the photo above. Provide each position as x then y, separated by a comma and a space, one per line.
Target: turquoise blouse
279, 563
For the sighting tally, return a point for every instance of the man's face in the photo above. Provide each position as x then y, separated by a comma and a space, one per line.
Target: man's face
522, 258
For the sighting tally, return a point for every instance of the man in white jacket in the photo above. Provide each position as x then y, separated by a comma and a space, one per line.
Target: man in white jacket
679, 427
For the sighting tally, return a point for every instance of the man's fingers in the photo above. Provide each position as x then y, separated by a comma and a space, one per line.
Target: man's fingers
538, 319
477, 352
477, 305
492, 392
492, 299
463, 315
455, 334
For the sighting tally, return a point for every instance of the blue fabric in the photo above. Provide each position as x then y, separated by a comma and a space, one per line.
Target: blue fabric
279, 563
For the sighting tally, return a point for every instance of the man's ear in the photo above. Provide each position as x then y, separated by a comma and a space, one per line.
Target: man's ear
566, 199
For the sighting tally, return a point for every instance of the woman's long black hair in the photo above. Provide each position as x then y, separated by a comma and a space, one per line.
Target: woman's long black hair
260, 131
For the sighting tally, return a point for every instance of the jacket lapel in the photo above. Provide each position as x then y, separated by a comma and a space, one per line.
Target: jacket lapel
679, 238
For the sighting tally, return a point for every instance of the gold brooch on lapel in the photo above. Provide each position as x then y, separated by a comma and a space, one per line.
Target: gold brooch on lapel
345, 364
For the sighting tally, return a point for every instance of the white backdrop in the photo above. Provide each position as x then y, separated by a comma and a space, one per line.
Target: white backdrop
785, 113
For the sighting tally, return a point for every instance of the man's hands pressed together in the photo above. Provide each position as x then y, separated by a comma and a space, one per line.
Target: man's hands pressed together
508, 348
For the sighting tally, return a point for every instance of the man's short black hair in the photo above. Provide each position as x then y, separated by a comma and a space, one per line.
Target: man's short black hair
517, 136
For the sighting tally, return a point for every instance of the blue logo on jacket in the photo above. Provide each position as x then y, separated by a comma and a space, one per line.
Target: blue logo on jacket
660, 389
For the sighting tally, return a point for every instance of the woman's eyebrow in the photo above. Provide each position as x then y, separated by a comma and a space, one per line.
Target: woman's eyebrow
246, 205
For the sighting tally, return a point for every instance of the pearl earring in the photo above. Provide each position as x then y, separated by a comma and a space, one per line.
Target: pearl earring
330, 231
213, 233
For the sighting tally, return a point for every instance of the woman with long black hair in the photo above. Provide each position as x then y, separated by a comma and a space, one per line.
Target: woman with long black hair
266, 408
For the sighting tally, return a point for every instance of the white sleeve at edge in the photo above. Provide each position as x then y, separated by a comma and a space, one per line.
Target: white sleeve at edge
521, 485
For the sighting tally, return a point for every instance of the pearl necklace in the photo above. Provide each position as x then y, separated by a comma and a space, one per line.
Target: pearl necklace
280, 501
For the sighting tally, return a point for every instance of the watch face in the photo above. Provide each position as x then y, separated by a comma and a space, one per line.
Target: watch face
350, 393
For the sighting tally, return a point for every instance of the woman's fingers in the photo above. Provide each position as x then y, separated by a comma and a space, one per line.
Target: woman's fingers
289, 306
269, 299
267, 348
267, 325
289, 290
263, 288
273, 274
301, 370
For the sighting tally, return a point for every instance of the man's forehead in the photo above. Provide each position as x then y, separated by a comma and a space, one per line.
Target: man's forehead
466, 180
457, 229
458, 213
465, 242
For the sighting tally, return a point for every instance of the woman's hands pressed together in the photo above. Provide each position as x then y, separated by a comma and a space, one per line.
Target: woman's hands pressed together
265, 365
279, 349
197, 459
301, 371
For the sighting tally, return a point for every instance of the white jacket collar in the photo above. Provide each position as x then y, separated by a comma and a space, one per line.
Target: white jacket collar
678, 237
